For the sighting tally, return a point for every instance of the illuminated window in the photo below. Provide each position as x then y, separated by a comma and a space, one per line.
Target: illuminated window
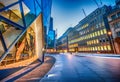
94, 41
97, 41
101, 32
95, 33
105, 47
102, 48
88, 43
98, 48
104, 30
98, 33
93, 49
91, 35
109, 48
91, 41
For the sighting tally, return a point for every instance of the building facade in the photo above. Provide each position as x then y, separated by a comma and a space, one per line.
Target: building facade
62, 42
22, 28
114, 22
90, 34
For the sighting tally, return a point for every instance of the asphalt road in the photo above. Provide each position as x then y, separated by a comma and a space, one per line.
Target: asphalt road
69, 68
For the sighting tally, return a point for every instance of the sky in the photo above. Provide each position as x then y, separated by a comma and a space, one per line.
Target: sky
68, 13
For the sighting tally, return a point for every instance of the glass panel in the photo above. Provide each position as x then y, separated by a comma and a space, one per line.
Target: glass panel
7, 2
25, 9
38, 9
13, 14
31, 8
10, 33
29, 11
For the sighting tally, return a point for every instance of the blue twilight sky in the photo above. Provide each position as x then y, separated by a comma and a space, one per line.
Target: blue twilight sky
67, 13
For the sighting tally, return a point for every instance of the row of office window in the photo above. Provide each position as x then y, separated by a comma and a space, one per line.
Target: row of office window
92, 28
96, 41
116, 25
115, 16
95, 48
94, 34
72, 50
73, 45
83, 27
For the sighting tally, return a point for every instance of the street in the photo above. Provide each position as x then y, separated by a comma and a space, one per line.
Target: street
70, 68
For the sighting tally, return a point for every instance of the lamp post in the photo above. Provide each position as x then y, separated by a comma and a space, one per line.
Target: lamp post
111, 41
43, 52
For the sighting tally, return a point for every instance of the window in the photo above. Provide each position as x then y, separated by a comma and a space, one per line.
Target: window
108, 46
97, 25
97, 40
118, 24
95, 33
102, 48
101, 32
100, 40
93, 49
98, 48
113, 17
118, 33
103, 24
118, 14
94, 41
105, 47
98, 33
104, 30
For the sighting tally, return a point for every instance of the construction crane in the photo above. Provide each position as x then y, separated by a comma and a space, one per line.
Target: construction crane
101, 2
84, 12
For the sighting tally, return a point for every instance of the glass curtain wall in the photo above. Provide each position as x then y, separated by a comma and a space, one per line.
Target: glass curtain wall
16, 16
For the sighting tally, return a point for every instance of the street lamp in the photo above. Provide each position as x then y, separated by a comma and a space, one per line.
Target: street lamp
43, 54
111, 41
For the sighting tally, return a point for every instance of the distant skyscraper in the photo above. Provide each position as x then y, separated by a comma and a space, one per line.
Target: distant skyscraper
51, 35
51, 24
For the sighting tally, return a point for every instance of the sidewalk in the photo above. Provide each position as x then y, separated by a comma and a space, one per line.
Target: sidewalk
34, 72
96, 54
19, 64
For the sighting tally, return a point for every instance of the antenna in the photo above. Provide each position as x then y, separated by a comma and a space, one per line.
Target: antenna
84, 12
